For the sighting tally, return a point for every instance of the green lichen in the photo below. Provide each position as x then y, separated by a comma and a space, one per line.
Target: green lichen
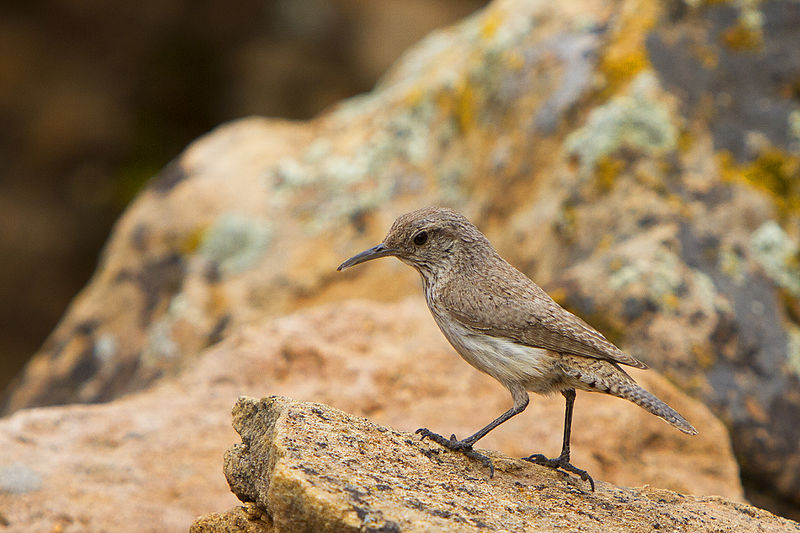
106, 347
660, 273
732, 264
328, 183
235, 242
665, 278
159, 344
436, 92
636, 120
710, 299
778, 255
161, 347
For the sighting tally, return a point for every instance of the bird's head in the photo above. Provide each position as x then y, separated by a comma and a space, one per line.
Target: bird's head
429, 239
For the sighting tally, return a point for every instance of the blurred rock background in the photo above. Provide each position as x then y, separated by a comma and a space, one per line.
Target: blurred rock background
639, 159
96, 97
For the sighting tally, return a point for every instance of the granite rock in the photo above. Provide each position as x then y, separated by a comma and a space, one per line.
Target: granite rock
308, 467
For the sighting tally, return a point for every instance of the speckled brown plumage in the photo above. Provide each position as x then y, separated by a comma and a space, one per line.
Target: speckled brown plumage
505, 325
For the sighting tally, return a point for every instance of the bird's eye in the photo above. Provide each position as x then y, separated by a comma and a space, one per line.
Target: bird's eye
421, 238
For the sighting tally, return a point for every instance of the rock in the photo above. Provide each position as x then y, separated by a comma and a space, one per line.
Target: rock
146, 463
246, 519
18, 479
566, 133
150, 461
309, 467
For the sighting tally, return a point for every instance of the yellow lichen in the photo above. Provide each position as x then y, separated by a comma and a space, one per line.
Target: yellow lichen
747, 34
413, 97
670, 302
491, 23
790, 304
773, 171
465, 106
514, 60
191, 241
703, 355
606, 171
626, 55
605, 242
459, 102
684, 141
741, 38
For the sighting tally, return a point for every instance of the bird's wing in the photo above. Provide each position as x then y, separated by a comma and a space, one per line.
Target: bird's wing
527, 315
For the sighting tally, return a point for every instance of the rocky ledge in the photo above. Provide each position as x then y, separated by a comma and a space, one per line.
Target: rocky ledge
308, 467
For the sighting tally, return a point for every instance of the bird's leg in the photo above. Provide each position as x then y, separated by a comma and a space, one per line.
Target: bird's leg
465, 446
562, 461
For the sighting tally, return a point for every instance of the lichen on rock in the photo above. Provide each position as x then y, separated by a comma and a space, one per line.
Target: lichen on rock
637, 120
309, 467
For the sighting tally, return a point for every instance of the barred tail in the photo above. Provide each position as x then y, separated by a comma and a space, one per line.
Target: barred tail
643, 398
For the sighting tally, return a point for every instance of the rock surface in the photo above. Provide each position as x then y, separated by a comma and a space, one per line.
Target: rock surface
308, 467
151, 461
568, 132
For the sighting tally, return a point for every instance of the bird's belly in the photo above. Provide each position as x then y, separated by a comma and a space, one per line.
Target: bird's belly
505, 360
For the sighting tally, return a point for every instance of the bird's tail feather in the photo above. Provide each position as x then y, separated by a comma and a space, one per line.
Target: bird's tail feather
643, 398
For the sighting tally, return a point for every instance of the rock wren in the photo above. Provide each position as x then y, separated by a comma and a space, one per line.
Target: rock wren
505, 325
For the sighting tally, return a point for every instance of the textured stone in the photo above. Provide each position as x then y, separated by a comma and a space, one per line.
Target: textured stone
151, 461
18, 478
309, 467
245, 519
565, 132
710, 68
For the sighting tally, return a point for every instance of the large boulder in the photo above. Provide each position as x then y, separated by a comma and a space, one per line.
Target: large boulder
152, 461
307, 467
641, 160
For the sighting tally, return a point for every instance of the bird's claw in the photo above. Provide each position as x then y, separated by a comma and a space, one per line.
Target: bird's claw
457, 446
561, 462
452, 443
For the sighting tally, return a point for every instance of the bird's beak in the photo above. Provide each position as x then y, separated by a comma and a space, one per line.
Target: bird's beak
373, 253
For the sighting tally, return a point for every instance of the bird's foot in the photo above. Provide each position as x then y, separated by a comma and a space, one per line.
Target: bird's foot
461, 446
560, 462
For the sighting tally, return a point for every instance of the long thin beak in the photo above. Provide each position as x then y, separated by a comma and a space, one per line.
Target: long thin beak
373, 253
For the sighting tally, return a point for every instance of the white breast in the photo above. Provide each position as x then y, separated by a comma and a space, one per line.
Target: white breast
503, 359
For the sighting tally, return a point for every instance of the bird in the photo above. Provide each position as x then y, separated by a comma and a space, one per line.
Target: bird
505, 325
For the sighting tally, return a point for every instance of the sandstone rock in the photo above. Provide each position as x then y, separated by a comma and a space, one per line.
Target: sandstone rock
244, 519
151, 461
309, 467
565, 132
